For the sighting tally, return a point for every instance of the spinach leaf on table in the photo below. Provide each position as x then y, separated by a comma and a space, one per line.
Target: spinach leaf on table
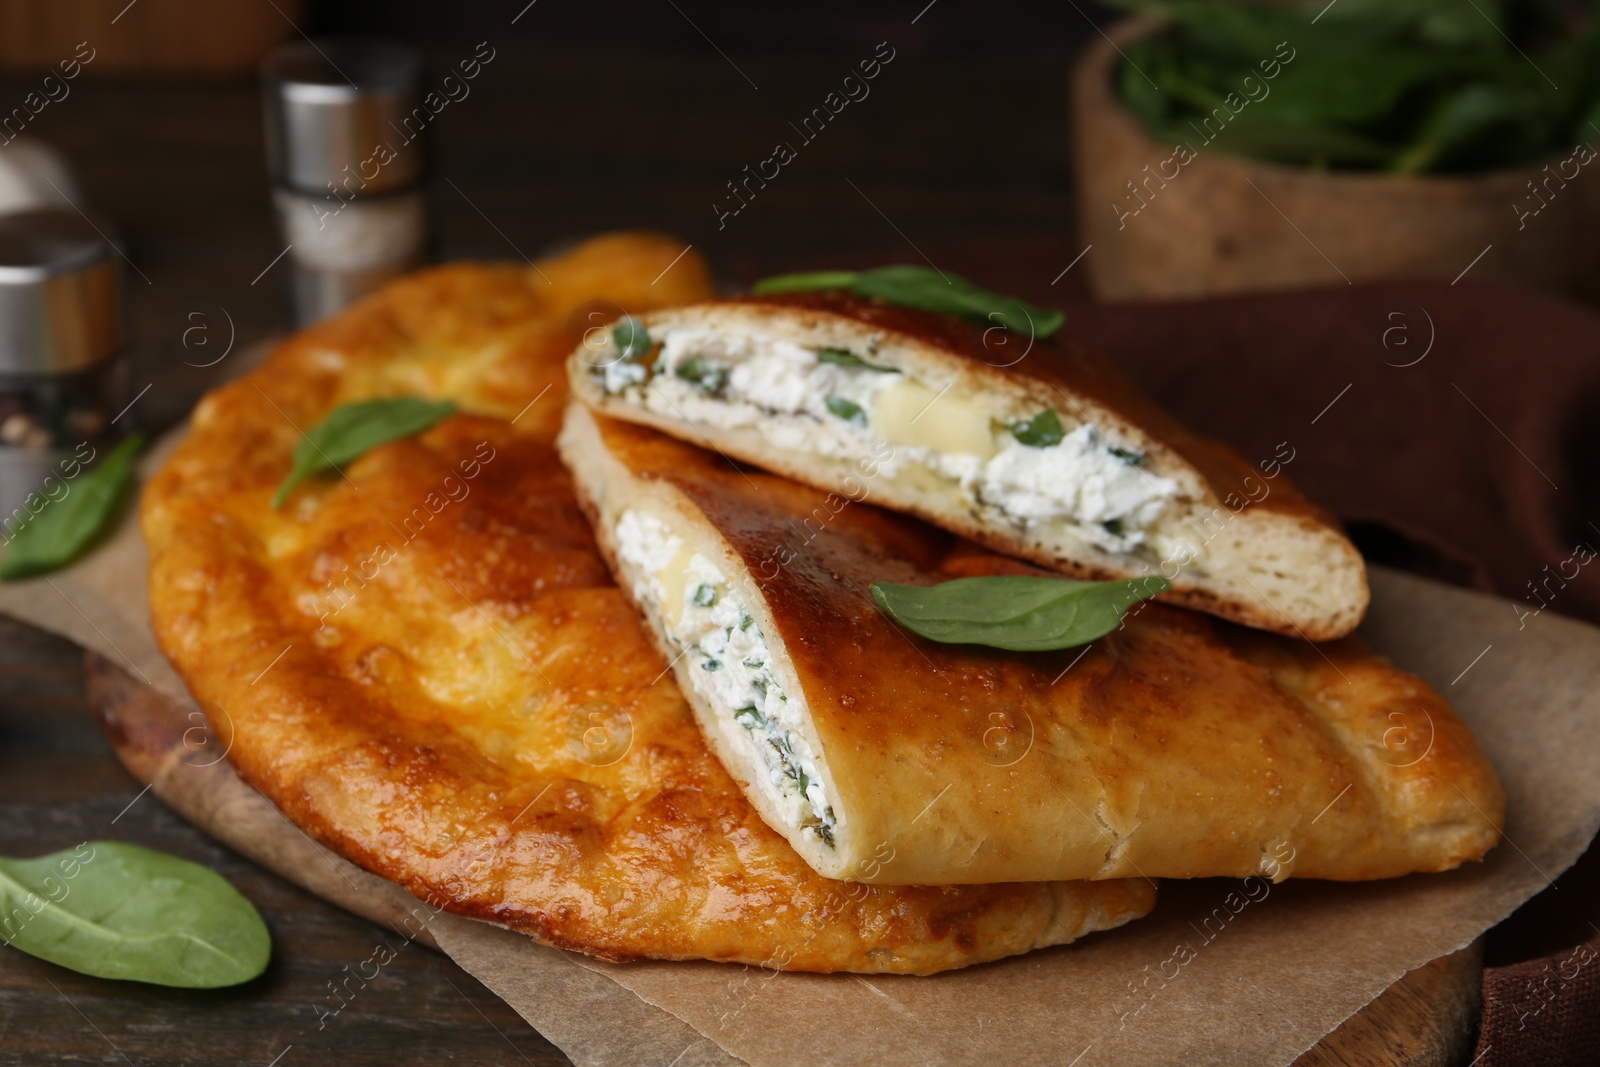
69, 524
115, 910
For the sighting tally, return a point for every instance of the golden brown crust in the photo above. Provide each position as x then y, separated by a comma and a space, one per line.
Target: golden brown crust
426, 666
1177, 746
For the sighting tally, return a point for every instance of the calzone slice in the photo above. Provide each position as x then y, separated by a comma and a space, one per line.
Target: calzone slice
1035, 447
1177, 746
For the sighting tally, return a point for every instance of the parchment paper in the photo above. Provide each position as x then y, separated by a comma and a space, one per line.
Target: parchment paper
1213, 976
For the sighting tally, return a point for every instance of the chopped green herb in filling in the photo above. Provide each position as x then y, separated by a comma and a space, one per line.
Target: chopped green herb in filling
842, 358
630, 338
1041, 431
715, 630
709, 378
848, 410
1113, 527
1127, 455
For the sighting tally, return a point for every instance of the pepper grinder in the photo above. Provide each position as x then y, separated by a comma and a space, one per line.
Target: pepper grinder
346, 146
63, 365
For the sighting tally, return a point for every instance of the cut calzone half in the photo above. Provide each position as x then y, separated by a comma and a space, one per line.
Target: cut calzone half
1037, 448
1177, 746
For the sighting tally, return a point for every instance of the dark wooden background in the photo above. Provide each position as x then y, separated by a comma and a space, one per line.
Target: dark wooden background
590, 117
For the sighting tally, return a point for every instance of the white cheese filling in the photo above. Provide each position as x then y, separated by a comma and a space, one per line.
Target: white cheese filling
847, 410
730, 667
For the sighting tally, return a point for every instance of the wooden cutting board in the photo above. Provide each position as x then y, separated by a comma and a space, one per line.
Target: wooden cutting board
1427, 1019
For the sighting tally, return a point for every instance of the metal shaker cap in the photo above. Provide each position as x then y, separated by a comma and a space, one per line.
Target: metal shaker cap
59, 310
347, 112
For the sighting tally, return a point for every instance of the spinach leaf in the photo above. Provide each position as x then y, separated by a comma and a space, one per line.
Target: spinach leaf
1475, 113
67, 525
115, 910
926, 290
817, 279
1041, 431
630, 338
356, 429
1408, 86
847, 359
1016, 612
847, 409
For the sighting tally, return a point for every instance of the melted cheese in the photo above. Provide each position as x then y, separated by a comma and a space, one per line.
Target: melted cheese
906, 412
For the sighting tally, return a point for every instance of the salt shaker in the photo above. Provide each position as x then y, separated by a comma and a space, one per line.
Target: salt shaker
346, 146
63, 363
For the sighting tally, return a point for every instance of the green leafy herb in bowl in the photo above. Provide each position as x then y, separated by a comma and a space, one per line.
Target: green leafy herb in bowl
1404, 86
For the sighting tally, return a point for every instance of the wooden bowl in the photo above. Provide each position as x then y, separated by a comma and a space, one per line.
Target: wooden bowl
1226, 224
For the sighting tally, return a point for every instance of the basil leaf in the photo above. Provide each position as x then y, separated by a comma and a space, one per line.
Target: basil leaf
1041, 431
1015, 612
926, 290
630, 338
115, 910
353, 430
67, 525
848, 359
848, 410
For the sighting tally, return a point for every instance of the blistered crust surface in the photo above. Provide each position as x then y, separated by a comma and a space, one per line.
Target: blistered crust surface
1177, 746
424, 664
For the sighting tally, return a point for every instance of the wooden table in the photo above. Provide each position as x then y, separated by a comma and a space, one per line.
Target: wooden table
585, 120
60, 784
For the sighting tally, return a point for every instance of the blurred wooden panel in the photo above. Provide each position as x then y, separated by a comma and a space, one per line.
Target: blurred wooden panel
154, 36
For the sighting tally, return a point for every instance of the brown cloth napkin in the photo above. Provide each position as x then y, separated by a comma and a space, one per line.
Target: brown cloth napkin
1474, 458
1455, 428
